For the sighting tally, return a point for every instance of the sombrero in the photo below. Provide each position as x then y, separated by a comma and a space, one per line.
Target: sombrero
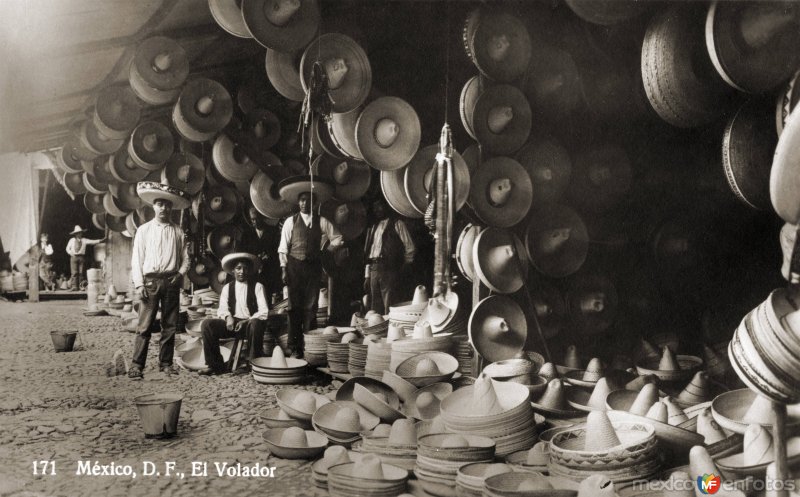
394, 190
102, 171
424, 403
124, 169
94, 203
203, 108
151, 144
264, 126
553, 402
497, 328
472, 156
388, 133
350, 218
757, 452
747, 149
184, 171
601, 176
549, 167
464, 250
116, 223
754, 46
420, 173
132, 222
502, 119
550, 307
592, 302
321, 140
282, 25
552, 82
230, 160
116, 112
73, 182
556, 240
500, 45
346, 65
223, 240
112, 205
605, 13
94, 185
99, 221
784, 179
680, 86
150, 191
470, 92
737, 409
499, 260
284, 74
787, 101
291, 188
159, 68
69, 157
501, 192
351, 178
96, 142
201, 269
228, 14
221, 204
230, 260
263, 194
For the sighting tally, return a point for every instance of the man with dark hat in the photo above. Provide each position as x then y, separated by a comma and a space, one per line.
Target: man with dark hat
242, 310
76, 248
262, 241
159, 261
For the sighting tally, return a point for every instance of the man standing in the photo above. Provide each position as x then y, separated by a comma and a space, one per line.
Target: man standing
261, 240
388, 250
46, 262
302, 238
242, 310
76, 248
159, 261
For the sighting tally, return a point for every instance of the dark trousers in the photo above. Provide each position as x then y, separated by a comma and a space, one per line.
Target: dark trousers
76, 265
159, 294
384, 287
215, 329
303, 282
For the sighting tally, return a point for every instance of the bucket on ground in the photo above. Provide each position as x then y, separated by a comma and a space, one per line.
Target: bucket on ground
63, 341
159, 414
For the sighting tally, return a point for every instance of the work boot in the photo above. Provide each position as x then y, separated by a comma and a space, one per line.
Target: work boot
135, 372
168, 369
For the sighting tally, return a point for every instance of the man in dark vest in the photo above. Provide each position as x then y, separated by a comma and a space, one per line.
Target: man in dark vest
242, 311
261, 239
302, 239
389, 249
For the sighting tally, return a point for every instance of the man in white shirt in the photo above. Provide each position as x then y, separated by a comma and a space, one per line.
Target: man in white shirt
159, 261
301, 267
76, 248
243, 311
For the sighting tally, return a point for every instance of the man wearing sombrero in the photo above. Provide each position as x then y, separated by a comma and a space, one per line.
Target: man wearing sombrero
242, 310
76, 248
159, 260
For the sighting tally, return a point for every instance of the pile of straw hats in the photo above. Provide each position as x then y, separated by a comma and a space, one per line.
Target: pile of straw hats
343, 421
397, 447
369, 477
357, 356
440, 455
278, 369
375, 325
422, 340
379, 354
333, 455
315, 344
294, 442
470, 477
300, 404
338, 353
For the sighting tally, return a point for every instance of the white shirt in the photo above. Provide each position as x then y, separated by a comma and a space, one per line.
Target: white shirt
79, 248
241, 311
158, 248
329, 232
47, 249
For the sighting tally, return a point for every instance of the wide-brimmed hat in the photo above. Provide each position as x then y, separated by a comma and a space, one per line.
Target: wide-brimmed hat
116, 112
150, 146
737, 409
230, 160
671, 367
228, 14
221, 203
499, 260
281, 24
265, 197
501, 192
201, 268
378, 402
69, 157
150, 191
291, 188
77, 229
99, 221
321, 140
344, 419
351, 178
470, 92
263, 126
394, 191
748, 61
757, 452
549, 167
464, 250
556, 240
427, 368
499, 44
592, 301
497, 328
159, 68
784, 184
184, 171
552, 83
300, 404
284, 74
388, 133
342, 130
229, 261
347, 67
94, 203
203, 108
97, 142
124, 169
350, 218
501, 119
550, 308
92, 184
73, 182
224, 240
553, 402
113, 206
294, 442
419, 178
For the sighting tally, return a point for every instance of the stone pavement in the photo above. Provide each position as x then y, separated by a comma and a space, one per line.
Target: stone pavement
62, 407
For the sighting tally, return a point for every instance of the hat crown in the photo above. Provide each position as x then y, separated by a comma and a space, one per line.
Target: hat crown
539, 454
420, 295
500, 191
553, 396
571, 359
294, 437
676, 413
306, 402
760, 411
593, 302
598, 398
403, 432
645, 399
426, 367
342, 214
668, 361
150, 142
554, 239
386, 132
600, 433
336, 69
335, 454
498, 47
347, 419
548, 371
658, 412
280, 12
369, 468
484, 397
700, 461
498, 118
757, 445
341, 173
215, 203
395, 333
597, 486
205, 105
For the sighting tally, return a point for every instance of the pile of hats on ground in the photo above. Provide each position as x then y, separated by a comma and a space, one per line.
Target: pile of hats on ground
422, 340
278, 369
293, 440
357, 356
373, 324
405, 315
322, 308
379, 354
338, 353
440, 455
315, 343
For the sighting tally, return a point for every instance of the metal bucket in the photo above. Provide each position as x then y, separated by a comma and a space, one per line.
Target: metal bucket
63, 341
159, 414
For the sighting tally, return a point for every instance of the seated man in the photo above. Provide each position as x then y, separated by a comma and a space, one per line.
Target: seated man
242, 311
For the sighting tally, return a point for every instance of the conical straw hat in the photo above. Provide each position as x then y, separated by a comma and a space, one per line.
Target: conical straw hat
708, 427
597, 486
639, 382
548, 371
668, 361
600, 434
594, 371
599, 394
648, 351
571, 358
648, 396
701, 463
697, 391
676, 414
420, 295
757, 446
554, 400
759, 411
403, 432
716, 366
658, 412
484, 398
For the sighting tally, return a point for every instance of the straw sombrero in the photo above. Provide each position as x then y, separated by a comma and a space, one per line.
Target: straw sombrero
737, 409
500, 45
265, 197
94, 203
550, 308
347, 67
549, 167
221, 204
124, 169
264, 126
419, 178
159, 68
150, 191
284, 74
427, 368
96, 142
294, 442
497, 328
499, 260
394, 191
116, 112
184, 171
501, 192
99, 221
281, 24
228, 14
757, 452
200, 270
344, 419
784, 180
224, 240
351, 178
556, 240
593, 302
73, 182
203, 108
388, 133
113, 206
150, 146
378, 402
300, 404
69, 157
230, 260
230, 160
464, 250
342, 130
470, 92
291, 188
350, 218
553, 402
502, 119
425, 402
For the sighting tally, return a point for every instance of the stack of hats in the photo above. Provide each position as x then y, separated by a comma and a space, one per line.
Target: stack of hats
378, 399
315, 344
519, 484
375, 325
368, 477
300, 404
440, 455
322, 308
425, 403
379, 354
499, 410
737, 409
422, 340
334, 455
278, 370
427, 368
470, 477
357, 357
517, 370
294, 442
406, 314
671, 368
398, 448
338, 353
464, 353
343, 421
534, 459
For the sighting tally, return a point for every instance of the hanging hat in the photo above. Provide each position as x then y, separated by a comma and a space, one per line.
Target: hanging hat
747, 149
552, 83
394, 190
388, 133
229, 262
605, 13
499, 260
347, 67
159, 68
787, 101
684, 95
501, 192
351, 178
321, 140
218, 279
69, 157
556, 240
265, 198
77, 230
502, 119
92, 184
550, 308
184, 171
151, 145
500, 45
150, 191
116, 223
549, 167
342, 130
283, 25
469, 95
99, 221
753, 47
419, 178
497, 328
124, 169
231, 161
291, 188
784, 184
102, 172
73, 182
221, 204
464, 250
350, 218
116, 112
284, 74
601, 176
203, 108
592, 302
264, 126
112, 205
200, 270
94, 203
228, 14
224, 239
97, 142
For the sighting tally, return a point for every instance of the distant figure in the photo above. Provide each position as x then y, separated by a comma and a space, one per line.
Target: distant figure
76, 248
261, 239
46, 262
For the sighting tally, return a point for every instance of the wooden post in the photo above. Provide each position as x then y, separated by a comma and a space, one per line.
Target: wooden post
33, 275
477, 360
779, 444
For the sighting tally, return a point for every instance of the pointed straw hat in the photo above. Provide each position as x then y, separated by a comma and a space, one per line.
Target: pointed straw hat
347, 67
184, 171
344, 419
376, 403
300, 404
587, 378
737, 409
589, 401
553, 402
388, 133
500, 261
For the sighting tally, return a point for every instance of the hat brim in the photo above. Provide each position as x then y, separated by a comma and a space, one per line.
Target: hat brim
515, 133
283, 73
118, 163
416, 172
501, 276
94, 204
568, 257
150, 191
265, 198
464, 250
358, 180
516, 59
150, 160
229, 17
356, 218
357, 83
513, 341
394, 191
406, 144
226, 163
76, 232
116, 223
294, 35
342, 129
291, 188
519, 201
152, 47
229, 261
